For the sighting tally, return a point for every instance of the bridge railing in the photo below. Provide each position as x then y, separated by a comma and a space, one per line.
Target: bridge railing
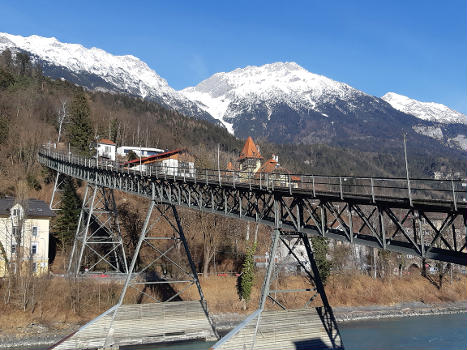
452, 191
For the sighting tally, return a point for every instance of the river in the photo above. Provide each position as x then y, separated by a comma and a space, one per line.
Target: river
437, 332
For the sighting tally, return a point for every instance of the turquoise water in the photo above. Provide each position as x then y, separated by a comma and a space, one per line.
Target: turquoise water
438, 332
443, 332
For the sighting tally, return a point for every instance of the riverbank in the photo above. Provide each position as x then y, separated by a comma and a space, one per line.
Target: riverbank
41, 336
225, 322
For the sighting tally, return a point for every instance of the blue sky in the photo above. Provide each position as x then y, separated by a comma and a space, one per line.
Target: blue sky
416, 48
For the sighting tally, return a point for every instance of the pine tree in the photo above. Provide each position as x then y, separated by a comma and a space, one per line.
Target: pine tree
247, 276
320, 250
67, 219
80, 128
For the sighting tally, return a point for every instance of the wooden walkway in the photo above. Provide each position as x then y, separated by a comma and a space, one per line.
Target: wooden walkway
143, 324
300, 329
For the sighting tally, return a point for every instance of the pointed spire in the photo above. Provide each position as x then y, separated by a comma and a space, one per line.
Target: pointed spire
249, 151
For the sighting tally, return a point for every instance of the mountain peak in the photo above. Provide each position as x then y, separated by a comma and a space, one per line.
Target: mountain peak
274, 83
431, 111
95, 68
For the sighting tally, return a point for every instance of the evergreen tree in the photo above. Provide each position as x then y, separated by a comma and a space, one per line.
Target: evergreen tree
320, 250
246, 279
80, 128
67, 220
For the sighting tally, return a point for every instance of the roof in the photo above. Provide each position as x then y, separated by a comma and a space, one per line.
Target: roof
35, 207
268, 166
106, 141
249, 151
155, 157
272, 166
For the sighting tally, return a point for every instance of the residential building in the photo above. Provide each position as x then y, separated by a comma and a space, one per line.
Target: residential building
123, 151
177, 162
24, 228
250, 159
250, 163
106, 149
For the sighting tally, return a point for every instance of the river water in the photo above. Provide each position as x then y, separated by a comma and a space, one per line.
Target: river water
437, 332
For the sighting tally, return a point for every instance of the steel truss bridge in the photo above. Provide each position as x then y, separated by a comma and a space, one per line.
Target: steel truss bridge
421, 217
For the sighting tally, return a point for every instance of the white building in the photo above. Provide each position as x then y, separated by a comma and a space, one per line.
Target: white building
33, 220
139, 151
177, 162
106, 149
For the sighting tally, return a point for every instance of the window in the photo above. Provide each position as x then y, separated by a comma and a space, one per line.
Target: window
13, 248
16, 212
34, 249
34, 267
34, 231
15, 231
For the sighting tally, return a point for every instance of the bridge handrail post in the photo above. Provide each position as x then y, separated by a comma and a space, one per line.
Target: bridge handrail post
372, 190
290, 185
260, 185
206, 175
340, 187
313, 184
409, 191
453, 194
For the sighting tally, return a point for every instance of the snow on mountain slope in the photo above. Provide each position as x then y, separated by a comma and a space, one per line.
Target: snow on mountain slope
97, 69
280, 82
430, 111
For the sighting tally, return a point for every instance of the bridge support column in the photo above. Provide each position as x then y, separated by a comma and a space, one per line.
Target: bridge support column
270, 325
157, 272
56, 199
98, 245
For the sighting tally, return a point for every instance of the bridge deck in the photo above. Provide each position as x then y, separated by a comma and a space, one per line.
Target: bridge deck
281, 330
144, 324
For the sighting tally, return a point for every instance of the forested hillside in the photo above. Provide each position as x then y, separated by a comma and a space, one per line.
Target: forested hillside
31, 106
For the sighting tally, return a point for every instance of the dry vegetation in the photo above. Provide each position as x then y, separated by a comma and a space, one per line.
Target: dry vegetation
60, 301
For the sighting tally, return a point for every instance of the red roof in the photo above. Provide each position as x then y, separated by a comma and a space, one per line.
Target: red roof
249, 151
154, 157
268, 166
106, 141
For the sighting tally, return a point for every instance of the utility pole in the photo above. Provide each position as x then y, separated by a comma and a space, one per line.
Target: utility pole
218, 164
407, 170
140, 170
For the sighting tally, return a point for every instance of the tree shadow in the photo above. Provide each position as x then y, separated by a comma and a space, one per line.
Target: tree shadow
165, 290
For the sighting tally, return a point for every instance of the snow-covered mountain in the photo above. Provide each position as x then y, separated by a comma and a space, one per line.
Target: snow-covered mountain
227, 95
431, 111
448, 126
280, 102
285, 103
97, 69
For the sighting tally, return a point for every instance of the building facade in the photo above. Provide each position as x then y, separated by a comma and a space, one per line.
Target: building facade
106, 149
24, 235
